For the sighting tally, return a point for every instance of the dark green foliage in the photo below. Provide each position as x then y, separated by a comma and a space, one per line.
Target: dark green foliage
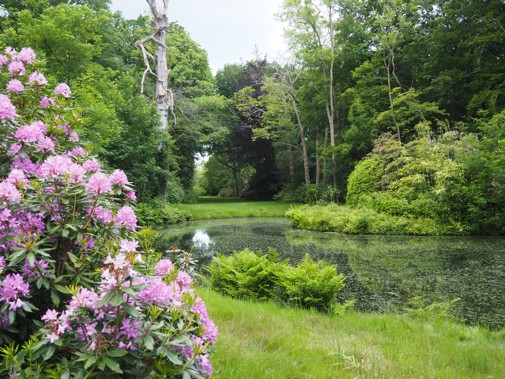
156, 214
246, 275
337, 218
365, 179
311, 284
249, 275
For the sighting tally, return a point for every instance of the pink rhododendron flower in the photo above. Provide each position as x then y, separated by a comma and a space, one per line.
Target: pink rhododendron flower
47, 102
15, 86
26, 55
130, 194
51, 315
158, 292
45, 144
78, 151
15, 148
3, 60
10, 51
17, 68
2, 261
103, 215
210, 329
98, 184
38, 269
119, 262
76, 173
91, 165
118, 177
128, 246
9, 192
37, 79
85, 298
25, 164
163, 267
130, 330
55, 166
204, 362
31, 133
126, 216
183, 280
63, 90
72, 136
12, 288
7, 110
17, 178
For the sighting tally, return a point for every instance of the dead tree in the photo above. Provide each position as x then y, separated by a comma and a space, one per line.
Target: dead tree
164, 97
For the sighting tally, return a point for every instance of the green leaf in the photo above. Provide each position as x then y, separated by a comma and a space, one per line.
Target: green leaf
132, 311
61, 289
112, 364
149, 342
66, 375
31, 259
117, 299
49, 352
117, 353
173, 358
90, 361
106, 299
55, 298
73, 258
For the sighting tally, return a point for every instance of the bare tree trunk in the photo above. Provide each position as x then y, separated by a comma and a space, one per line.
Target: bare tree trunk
330, 108
164, 97
302, 141
318, 160
291, 165
389, 65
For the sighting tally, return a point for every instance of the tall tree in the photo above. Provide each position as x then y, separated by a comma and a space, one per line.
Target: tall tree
164, 97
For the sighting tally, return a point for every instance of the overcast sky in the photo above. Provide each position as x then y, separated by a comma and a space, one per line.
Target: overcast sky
228, 30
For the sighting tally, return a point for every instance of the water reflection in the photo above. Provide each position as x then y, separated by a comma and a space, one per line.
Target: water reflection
202, 243
383, 272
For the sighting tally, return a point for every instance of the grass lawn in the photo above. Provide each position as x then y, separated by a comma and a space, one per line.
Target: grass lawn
263, 340
218, 207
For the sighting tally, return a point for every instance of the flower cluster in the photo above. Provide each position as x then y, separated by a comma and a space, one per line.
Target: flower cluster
143, 304
68, 250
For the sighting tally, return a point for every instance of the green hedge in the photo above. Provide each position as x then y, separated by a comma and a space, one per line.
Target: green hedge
337, 218
154, 214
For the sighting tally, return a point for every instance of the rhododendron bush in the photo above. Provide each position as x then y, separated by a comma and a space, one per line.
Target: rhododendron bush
79, 296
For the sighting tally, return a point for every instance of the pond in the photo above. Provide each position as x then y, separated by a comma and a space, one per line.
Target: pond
383, 272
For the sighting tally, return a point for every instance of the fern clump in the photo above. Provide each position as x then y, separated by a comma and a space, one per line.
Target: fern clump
249, 275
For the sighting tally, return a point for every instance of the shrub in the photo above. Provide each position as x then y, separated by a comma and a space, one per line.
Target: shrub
249, 275
158, 214
77, 297
337, 218
245, 274
311, 284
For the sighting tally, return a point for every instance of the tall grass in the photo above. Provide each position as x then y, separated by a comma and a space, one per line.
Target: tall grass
263, 340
